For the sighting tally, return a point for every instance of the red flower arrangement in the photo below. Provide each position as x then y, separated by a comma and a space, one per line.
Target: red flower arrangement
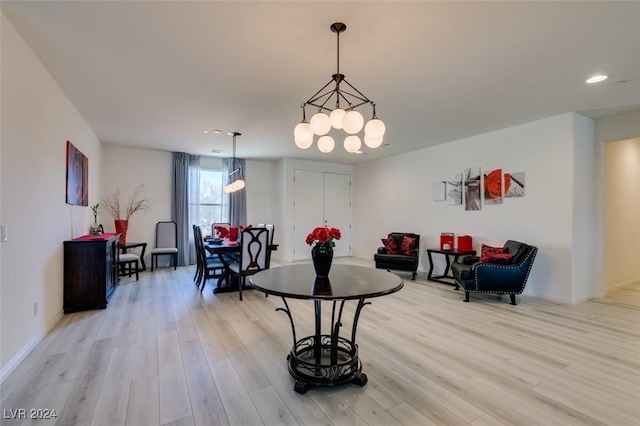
324, 235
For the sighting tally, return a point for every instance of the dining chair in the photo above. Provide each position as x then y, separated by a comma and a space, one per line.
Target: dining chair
207, 266
253, 255
128, 263
166, 243
270, 227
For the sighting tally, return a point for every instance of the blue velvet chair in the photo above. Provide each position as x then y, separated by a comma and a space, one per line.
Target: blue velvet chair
484, 277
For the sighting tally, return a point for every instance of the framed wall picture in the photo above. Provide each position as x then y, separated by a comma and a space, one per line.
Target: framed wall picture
77, 177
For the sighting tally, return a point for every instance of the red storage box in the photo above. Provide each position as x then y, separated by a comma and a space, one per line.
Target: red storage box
465, 243
446, 238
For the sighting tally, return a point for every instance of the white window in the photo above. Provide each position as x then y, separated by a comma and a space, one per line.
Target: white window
212, 207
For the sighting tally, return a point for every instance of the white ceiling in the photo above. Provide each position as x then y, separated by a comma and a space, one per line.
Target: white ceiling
156, 74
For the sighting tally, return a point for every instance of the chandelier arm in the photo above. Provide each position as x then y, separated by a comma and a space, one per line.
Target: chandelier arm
363, 97
345, 95
328, 96
315, 96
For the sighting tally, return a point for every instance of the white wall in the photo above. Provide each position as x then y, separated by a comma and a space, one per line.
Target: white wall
608, 129
125, 168
395, 194
622, 213
37, 120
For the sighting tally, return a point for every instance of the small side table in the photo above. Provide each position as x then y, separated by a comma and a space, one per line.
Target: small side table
446, 278
127, 246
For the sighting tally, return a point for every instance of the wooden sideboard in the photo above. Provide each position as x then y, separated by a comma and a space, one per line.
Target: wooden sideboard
90, 272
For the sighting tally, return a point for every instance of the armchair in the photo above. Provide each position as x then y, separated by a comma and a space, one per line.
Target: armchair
510, 278
406, 260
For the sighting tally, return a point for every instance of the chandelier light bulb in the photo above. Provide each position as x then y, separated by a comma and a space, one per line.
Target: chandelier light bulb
240, 183
375, 128
320, 124
326, 144
304, 143
352, 122
303, 135
227, 189
336, 117
372, 142
352, 144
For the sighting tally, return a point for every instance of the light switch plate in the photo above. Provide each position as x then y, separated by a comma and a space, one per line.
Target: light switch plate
5, 236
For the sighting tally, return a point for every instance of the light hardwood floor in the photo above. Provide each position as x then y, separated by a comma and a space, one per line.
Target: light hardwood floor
165, 354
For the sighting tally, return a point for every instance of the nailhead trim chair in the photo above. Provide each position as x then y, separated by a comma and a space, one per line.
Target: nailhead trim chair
483, 277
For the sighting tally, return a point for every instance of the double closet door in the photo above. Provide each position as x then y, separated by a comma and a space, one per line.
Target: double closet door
321, 199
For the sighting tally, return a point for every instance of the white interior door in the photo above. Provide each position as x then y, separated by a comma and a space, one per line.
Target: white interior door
308, 207
321, 199
337, 209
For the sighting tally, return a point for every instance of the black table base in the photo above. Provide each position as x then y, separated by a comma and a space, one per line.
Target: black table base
309, 371
322, 359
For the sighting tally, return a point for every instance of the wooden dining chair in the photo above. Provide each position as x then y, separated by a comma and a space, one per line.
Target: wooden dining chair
207, 266
166, 243
129, 264
254, 248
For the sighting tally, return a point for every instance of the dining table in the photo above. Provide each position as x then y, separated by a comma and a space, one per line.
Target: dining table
229, 252
328, 357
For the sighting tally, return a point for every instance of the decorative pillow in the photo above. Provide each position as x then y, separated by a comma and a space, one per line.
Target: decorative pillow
391, 245
501, 258
407, 246
490, 249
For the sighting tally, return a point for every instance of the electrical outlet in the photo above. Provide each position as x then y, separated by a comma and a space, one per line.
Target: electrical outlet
35, 308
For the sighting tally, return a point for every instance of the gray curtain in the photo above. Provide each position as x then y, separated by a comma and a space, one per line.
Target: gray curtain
184, 205
237, 201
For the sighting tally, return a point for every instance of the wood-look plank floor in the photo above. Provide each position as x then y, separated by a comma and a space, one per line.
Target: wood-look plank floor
165, 354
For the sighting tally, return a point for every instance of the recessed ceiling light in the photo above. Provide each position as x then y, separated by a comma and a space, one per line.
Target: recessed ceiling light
206, 131
597, 78
217, 132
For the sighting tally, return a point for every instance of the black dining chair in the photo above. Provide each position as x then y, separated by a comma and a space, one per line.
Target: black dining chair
254, 255
206, 266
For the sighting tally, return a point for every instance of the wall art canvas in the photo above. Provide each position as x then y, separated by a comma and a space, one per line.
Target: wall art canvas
77, 177
439, 189
514, 184
492, 185
472, 188
454, 190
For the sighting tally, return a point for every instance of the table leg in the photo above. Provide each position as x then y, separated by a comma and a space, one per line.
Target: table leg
430, 274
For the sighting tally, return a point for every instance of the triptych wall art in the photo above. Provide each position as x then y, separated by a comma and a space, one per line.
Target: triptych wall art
473, 186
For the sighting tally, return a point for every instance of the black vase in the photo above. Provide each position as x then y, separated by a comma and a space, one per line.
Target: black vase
322, 287
322, 255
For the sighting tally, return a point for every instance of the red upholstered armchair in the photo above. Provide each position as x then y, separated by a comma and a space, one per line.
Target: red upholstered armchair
399, 253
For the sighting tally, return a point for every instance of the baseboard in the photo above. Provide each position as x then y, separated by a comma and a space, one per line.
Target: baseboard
618, 286
26, 349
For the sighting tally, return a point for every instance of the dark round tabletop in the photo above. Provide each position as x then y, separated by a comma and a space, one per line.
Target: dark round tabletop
343, 282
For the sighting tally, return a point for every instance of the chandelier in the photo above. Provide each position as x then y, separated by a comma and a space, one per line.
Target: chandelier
236, 184
328, 100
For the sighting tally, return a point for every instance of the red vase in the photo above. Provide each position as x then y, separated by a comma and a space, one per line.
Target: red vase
121, 228
233, 234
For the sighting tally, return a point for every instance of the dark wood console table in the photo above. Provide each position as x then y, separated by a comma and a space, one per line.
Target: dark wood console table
326, 359
447, 277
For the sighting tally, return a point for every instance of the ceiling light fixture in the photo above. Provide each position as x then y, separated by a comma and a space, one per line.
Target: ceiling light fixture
238, 183
347, 119
597, 78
